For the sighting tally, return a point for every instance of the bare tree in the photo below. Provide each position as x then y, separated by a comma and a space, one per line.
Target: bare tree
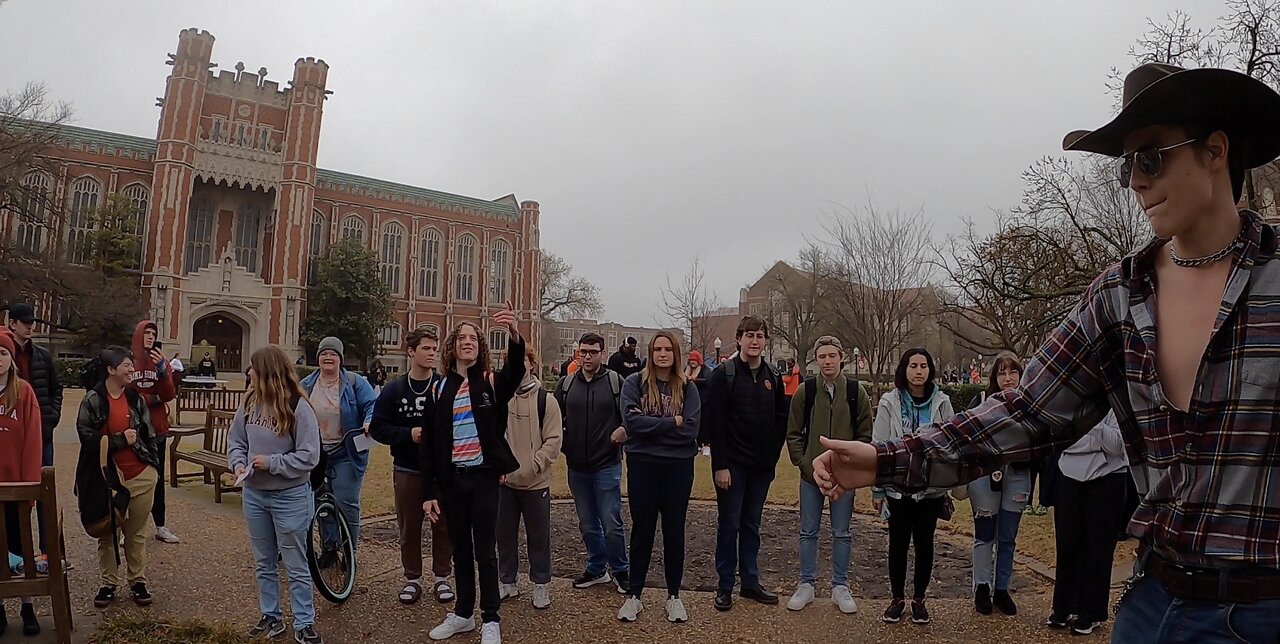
797, 310
689, 306
879, 280
564, 294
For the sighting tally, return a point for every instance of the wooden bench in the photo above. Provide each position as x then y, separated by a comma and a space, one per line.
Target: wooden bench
29, 583
199, 400
212, 455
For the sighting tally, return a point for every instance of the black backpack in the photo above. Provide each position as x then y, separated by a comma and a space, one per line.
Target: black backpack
811, 395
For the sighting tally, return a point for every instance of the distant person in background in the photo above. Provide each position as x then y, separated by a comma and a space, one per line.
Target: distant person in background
206, 367
626, 361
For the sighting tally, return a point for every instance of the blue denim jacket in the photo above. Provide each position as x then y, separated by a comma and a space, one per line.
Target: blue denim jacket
357, 399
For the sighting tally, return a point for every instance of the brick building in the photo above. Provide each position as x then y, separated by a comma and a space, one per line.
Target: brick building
560, 338
236, 210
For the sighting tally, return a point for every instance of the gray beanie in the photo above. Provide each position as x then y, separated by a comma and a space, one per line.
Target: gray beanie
331, 344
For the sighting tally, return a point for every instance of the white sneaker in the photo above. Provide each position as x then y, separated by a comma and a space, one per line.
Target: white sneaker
803, 597
541, 598
840, 596
630, 609
166, 535
452, 625
676, 613
507, 591
491, 633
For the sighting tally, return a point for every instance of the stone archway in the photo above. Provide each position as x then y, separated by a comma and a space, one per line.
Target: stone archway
226, 332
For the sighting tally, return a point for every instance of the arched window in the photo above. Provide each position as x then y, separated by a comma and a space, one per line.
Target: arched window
319, 241
199, 250
139, 196
353, 227
392, 255
429, 264
33, 213
465, 267
390, 335
81, 212
248, 232
498, 347
499, 271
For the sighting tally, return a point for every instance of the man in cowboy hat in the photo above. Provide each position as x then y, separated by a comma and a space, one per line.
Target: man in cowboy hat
1193, 375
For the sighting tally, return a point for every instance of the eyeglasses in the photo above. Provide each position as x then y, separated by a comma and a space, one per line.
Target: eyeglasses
1149, 161
589, 353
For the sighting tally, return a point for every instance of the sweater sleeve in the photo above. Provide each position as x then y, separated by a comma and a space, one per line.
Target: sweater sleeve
636, 421
238, 443
32, 437
305, 455
166, 390
692, 412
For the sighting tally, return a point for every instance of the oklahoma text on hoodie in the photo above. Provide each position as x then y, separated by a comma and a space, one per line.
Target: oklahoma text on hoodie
152, 379
20, 438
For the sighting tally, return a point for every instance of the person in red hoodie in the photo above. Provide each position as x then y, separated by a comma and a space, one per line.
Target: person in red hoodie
21, 447
153, 379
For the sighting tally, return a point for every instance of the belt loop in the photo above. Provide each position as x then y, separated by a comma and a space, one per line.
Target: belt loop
1224, 576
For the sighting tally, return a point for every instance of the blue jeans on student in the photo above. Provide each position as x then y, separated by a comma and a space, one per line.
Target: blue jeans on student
738, 526
598, 498
278, 522
344, 467
1150, 614
996, 517
812, 501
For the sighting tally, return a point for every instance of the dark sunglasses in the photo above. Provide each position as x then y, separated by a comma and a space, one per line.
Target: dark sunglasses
1149, 162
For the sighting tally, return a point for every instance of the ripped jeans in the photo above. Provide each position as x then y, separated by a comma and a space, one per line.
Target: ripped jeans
996, 516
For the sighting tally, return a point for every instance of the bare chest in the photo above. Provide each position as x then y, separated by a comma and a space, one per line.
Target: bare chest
1187, 304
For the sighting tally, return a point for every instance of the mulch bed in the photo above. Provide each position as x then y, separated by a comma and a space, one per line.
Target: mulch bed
779, 553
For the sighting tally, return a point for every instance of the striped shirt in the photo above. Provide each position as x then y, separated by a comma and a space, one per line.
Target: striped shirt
466, 441
1219, 494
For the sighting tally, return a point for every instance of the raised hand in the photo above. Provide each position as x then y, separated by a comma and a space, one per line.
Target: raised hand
507, 318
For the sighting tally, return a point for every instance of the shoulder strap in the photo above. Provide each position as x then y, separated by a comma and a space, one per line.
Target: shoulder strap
730, 370
615, 383
565, 383
851, 394
810, 397
542, 407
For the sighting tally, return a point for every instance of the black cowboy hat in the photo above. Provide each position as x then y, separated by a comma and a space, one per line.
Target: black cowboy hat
1219, 99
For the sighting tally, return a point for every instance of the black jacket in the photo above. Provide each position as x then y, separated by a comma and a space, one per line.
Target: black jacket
488, 404
625, 364
93, 417
397, 412
748, 425
591, 413
48, 387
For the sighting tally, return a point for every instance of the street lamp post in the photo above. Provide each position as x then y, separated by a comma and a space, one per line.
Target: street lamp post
857, 362
718, 345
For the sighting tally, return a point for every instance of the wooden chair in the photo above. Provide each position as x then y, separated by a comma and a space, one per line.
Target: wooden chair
211, 457
29, 583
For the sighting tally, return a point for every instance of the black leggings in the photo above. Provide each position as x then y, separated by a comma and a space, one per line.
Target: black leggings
912, 520
658, 487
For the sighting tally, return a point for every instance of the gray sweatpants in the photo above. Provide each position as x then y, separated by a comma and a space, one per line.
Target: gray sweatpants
535, 507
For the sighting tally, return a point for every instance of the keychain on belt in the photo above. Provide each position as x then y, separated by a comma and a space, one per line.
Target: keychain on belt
1139, 571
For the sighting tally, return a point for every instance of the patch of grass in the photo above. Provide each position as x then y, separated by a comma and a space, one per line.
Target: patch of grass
134, 629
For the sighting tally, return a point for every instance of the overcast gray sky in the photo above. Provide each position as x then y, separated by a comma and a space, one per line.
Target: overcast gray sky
649, 131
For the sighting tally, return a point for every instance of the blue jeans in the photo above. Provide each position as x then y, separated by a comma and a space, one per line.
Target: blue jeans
278, 522
811, 502
598, 499
996, 517
344, 468
1150, 614
738, 526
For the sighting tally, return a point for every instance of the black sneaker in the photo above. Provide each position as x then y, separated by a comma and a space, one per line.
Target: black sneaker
982, 599
893, 614
1058, 620
724, 599
1083, 628
919, 614
1004, 602
268, 626
106, 595
141, 596
30, 625
307, 635
4, 621
623, 581
587, 580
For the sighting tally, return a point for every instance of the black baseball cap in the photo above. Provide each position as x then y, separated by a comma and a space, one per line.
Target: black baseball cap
631, 340
22, 312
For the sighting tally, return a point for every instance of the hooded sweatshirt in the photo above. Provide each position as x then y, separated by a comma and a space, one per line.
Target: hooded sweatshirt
290, 459
536, 446
899, 414
152, 379
652, 433
21, 443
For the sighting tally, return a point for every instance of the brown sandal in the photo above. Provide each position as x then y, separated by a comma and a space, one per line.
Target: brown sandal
444, 594
411, 591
